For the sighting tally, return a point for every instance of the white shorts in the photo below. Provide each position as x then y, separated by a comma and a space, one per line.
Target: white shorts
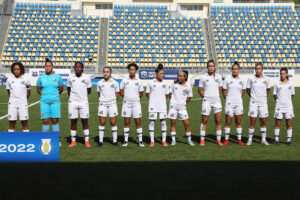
153, 115
181, 113
287, 113
81, 108
260, 109
133, 110
110, 110
233, 109
207, 106
14, 111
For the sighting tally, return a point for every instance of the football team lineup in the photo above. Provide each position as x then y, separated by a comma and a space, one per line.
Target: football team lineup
159, 94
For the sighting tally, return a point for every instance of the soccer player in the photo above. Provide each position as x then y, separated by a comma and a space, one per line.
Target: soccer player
210, 87
233, 91
284, 92
131, 89
157, 92
79, 87
258, 87
50, 86
180, 93
18, 89
108, 92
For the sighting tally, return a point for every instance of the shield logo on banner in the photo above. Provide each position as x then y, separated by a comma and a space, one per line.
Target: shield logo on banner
46, 146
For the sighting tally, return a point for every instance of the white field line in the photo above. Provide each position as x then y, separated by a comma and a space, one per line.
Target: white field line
5, 116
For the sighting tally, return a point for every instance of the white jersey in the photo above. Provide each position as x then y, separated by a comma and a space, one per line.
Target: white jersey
132, 89
234, 89
18, 90
258, 88
211, 86
284, 94
158, 91
79, 87
108, 90
179, 94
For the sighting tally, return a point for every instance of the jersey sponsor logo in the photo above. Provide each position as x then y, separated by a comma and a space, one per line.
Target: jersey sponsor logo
46, 146
83, 81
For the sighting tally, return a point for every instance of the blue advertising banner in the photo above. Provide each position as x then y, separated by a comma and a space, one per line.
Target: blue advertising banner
3, 82
171, 74
94, 82
32, 146
196, 82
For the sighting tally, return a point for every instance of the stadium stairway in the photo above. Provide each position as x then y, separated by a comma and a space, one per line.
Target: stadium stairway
103, 44
5, 15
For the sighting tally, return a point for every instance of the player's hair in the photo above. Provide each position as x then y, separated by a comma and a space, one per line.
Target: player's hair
236, 63
160, 67
286, 71
259, 64
48, 60
107, 67
133, 65
210, 61
20, 65
78, 62
186, 74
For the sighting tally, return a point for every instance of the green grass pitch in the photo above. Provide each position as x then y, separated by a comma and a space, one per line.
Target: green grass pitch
181, 152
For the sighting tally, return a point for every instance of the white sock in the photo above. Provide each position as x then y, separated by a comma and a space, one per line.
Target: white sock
189, 136
263, 132
86, 133
126, 134
250, 131
73, 135
173, 134
239, 133
11, 130
114, 131
276, 133
164, 130
202, 135
139, 132
289, 135
151, 129
26, 131
219, 134
227, 133
101, 133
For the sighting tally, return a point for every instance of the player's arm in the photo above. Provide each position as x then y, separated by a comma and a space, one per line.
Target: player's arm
148, 95
248, 91
69, 90
39, 90
8, 92
61, 89
117, 95
188, 99
122, 92
268, 90
141, 94
224, 92
170, 95
201, 91
220, 90
28, 91
89, 90
275, 96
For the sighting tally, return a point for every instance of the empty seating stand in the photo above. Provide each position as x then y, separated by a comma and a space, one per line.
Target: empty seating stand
148, 35
250, 34
39, 31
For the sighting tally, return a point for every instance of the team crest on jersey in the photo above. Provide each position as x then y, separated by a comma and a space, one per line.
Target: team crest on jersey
112, 85
230, 82
207, 80
163, 86
154, 85
265, 82
54, 80
23, 82
137, 84
290, 88
241, 83
176, 88
102, 85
